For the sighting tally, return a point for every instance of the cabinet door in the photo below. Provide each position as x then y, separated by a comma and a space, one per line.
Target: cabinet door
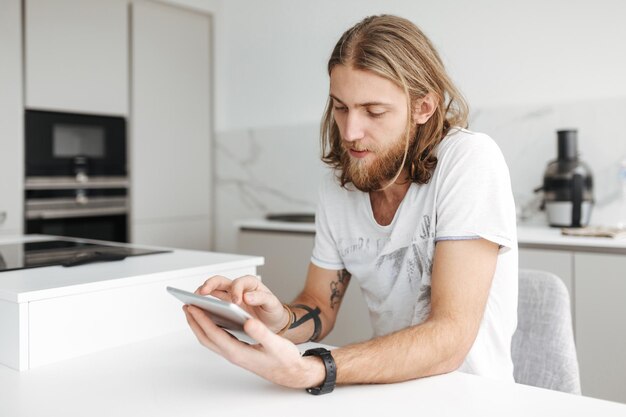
560, 263
170, 124
601, 324
287, 256
557, 262
77, 55
11, 118
185, 233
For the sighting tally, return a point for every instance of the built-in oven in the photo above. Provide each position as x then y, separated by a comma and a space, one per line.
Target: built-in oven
91, 213
76, 181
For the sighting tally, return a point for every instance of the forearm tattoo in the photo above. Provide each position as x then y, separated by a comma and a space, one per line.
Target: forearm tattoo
312, 314
338, 288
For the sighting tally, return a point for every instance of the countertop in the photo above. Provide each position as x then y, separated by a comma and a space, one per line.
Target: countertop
30, 284
528, 236
174, 375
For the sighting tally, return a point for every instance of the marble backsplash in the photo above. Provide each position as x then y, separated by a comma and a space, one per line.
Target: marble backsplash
262, 171
277, 170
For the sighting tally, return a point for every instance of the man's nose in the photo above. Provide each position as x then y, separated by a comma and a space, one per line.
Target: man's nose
354, 129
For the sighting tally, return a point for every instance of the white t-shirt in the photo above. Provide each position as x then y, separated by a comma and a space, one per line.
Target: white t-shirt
468, 197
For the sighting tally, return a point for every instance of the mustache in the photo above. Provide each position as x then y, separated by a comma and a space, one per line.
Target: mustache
356, 146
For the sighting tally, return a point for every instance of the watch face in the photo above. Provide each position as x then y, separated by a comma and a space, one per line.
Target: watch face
316, 352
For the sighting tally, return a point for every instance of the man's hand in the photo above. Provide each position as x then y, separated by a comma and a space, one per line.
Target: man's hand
250, 294
273, 358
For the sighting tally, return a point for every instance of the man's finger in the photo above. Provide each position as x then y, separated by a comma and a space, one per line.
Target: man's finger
244, 284
259, 332
229, 347
216, 282
199, 332
257, 298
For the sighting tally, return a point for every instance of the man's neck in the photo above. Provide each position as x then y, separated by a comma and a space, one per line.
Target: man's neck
385, 202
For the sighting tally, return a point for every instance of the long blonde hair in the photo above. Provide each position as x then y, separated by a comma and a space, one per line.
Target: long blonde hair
396, 49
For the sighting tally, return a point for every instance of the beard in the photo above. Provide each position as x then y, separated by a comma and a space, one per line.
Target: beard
375, 175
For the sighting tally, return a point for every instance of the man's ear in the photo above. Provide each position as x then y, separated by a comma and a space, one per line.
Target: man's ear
424, 108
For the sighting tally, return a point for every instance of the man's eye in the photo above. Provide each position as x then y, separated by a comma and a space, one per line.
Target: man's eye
376, 115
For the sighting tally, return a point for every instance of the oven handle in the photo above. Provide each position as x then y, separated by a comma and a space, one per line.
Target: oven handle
86, 212
56, 183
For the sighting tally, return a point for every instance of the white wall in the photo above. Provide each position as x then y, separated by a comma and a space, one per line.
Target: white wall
271, 54
527, 69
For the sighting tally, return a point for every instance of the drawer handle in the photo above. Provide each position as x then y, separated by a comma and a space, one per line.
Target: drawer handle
3, 216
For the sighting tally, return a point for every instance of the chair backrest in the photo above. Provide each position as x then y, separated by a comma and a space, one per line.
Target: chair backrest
543, 349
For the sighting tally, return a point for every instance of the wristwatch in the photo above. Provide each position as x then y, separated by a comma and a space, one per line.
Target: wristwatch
331, 371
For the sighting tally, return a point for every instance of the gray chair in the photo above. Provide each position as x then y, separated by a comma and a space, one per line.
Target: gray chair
543, 349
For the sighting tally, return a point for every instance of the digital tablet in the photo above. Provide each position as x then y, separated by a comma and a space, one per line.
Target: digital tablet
227, 315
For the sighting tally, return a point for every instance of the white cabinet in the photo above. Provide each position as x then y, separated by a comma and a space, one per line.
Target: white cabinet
11, 118
601, 324
287, 256
77, 55
188, 233
170, 126
558, 262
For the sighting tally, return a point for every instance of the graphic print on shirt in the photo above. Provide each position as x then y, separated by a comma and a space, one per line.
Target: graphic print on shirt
408, 269
361, 245
403, 272
424, 247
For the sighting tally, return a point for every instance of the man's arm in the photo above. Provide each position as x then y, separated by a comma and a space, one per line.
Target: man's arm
323, 291
310, 317
460, 283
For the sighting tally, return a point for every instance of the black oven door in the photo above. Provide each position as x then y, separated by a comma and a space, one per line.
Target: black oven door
112, 228
68, 144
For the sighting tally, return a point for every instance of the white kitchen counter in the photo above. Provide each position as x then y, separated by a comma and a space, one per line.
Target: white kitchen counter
174, 375
50, 314
530, 237
543, 237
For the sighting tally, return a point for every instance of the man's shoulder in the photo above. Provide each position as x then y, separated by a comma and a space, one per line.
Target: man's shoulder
463, 142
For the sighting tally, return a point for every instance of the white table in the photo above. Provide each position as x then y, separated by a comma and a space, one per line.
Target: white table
174, 375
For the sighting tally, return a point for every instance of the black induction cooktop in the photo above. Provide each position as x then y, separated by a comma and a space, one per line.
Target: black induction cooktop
64, 252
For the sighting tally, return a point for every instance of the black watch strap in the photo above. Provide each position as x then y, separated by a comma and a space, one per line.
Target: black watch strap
331, 371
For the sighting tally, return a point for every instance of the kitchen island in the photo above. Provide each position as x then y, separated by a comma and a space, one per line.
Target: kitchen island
49, 314
174, 375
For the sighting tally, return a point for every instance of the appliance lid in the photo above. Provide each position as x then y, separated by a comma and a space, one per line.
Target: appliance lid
291, 217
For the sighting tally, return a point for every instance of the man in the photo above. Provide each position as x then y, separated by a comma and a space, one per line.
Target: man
419, 211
